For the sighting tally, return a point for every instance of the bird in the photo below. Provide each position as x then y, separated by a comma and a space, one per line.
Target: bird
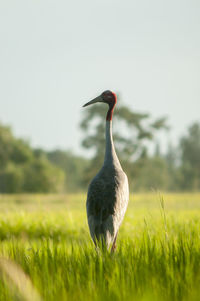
108, 192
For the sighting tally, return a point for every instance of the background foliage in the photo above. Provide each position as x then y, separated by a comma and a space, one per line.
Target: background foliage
24, 169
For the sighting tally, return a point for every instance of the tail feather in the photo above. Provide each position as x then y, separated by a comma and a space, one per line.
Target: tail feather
99, 231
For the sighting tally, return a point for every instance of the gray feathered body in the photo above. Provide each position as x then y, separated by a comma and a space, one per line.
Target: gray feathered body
107, 197
106, 203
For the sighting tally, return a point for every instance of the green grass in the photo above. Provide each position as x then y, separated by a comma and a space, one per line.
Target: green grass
157, 257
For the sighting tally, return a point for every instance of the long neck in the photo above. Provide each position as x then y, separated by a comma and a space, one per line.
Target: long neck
110, 154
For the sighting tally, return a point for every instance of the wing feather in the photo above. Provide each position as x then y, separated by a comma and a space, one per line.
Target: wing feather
107, 201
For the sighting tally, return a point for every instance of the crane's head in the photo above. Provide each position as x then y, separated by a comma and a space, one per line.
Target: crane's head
108, 97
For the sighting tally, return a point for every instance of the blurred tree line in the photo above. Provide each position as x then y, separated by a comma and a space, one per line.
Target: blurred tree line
24, 169
176, 170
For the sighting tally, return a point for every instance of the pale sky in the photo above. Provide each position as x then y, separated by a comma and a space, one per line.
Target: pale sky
57, 55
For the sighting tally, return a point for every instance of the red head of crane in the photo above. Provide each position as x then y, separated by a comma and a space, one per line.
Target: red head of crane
108, 192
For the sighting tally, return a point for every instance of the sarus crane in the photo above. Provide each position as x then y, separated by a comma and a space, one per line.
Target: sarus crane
108, 192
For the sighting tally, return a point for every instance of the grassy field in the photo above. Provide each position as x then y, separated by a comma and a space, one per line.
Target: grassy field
46, 252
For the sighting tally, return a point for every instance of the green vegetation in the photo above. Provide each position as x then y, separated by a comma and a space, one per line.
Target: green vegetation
157, 258
23, 169
176, 170
190, 157
73, 167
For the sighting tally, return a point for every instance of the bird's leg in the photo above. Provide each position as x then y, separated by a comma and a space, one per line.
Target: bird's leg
114, 244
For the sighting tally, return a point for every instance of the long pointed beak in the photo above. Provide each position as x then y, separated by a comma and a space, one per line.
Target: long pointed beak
97, 99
